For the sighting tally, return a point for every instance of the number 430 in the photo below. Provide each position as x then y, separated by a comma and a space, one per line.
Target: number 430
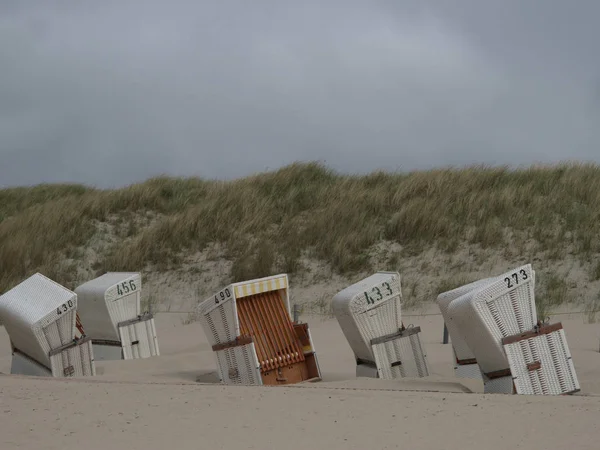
64, 307
126, 287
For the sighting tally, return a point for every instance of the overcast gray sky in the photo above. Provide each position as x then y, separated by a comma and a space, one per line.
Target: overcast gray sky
111, 92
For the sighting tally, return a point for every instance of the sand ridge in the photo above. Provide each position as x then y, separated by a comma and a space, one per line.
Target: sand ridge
175, 401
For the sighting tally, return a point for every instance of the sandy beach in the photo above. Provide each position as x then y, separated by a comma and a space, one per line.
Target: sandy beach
173, 401
213, 161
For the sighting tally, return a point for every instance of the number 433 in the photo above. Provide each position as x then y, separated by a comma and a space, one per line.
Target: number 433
377, 293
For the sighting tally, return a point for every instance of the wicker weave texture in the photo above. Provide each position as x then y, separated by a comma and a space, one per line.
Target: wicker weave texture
219, 321
75, 361
459, 346
502, 308
139, 339
467, 370
369, 309
401, 357
108, 300
219, 315
257, 309
239, 365
39, 315
471, 371
502, 385
556, 373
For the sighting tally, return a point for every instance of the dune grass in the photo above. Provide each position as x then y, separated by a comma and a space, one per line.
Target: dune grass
268, 221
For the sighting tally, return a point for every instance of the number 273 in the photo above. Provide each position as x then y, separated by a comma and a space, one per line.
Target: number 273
515, 277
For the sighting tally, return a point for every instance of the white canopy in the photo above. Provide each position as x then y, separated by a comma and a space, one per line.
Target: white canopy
39, 315
369, 309
460, 347
108, 300
486, 314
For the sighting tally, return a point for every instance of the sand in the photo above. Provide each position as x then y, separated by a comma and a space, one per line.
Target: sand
174, 402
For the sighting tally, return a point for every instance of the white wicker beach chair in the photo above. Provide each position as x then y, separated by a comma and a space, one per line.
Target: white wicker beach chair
109, 308
369, 314
465, 364
493, 318
41, 321
250, 328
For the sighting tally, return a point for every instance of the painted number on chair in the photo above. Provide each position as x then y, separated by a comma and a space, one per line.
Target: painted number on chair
515, 278
378, 293
64, 307
224, 294
126, 287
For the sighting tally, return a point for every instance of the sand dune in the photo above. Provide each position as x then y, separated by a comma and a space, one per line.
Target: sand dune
172, 401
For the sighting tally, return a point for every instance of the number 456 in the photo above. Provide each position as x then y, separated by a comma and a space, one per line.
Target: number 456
126, 287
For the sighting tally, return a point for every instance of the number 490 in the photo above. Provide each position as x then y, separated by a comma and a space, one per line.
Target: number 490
223, 294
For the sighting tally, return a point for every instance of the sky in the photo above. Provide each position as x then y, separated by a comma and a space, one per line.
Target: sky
114, 92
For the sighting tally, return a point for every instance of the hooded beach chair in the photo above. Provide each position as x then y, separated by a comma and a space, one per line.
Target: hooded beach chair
465, 364
109, 307
249, 326
369, 314
46, 339
516, 353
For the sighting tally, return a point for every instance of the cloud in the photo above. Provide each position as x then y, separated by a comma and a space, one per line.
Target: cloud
109, 93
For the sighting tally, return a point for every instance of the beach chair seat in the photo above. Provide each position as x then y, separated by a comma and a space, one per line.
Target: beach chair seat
540, 361
369, 314
249, 326
400, 355
110, 308
46, 339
